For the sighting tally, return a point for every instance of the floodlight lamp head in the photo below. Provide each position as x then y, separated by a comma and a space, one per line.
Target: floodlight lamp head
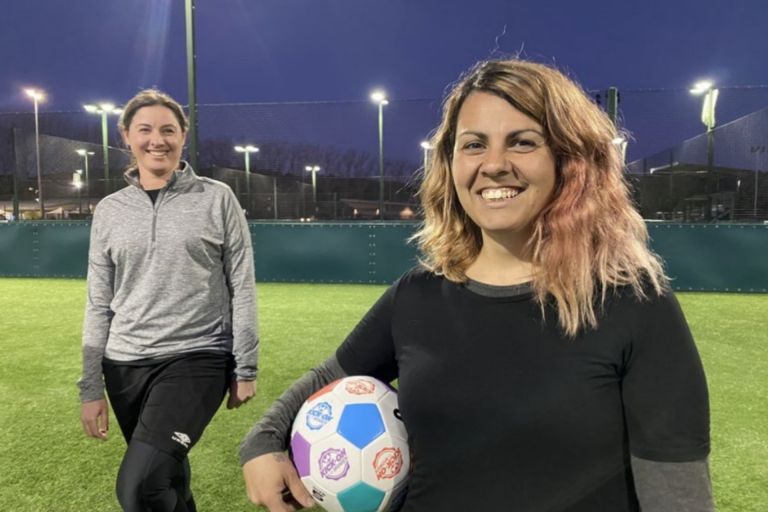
380, 97
34, 94
701, 87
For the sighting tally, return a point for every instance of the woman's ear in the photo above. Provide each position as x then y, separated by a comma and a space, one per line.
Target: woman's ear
124, 135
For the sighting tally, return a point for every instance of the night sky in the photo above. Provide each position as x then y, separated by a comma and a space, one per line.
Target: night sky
338, 50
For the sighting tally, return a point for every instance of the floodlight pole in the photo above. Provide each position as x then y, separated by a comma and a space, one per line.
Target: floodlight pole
613, 104
85, 154
426, 147
191, 82
757, 150
380, 98
104, 109
248, 174
36, 95
381, 160
710, 93
274, 196
105, 148
313, 169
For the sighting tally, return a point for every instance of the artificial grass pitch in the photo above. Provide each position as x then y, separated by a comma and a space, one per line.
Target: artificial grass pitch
46, 463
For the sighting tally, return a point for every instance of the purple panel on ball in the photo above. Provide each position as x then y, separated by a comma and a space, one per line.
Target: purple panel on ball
300, 452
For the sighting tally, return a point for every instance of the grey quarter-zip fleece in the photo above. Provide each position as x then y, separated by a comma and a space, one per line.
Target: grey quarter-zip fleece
169, 278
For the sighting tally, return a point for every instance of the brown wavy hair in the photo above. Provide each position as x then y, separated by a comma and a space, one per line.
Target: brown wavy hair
589, 239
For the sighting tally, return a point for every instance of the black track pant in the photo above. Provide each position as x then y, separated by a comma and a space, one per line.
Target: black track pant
163, 407
150, 479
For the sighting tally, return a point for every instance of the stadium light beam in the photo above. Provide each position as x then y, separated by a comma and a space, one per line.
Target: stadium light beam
38, 96
380, 98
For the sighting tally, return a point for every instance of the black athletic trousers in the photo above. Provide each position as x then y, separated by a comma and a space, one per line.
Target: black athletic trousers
163, 407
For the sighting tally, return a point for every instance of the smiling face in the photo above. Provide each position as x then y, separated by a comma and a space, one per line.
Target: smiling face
156, 140
503, 171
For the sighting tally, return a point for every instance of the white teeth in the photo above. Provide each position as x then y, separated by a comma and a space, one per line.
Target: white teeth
499, 193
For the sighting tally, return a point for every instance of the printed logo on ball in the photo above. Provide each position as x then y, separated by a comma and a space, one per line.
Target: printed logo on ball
319, 415
360, 387
318, 494
334, 464
388, 463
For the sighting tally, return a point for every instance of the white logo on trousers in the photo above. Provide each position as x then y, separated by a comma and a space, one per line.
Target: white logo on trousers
181, 438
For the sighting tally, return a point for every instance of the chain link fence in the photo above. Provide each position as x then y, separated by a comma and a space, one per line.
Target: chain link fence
667, 158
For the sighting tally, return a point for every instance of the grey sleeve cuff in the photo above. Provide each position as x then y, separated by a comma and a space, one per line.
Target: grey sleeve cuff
91, 383
673, 486
272, 431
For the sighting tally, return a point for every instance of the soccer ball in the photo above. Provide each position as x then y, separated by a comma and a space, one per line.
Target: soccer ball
350, 447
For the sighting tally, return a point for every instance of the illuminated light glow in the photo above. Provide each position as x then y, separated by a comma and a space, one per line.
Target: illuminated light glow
702, 86
380, 97
102, 108
425, 145
35, 94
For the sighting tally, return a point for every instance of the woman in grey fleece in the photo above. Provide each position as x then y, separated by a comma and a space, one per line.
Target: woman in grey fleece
170, 321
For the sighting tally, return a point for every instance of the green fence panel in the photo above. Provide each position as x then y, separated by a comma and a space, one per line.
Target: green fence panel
63, 247
392, 255
706, 257
18, 250
713, 257
331, 252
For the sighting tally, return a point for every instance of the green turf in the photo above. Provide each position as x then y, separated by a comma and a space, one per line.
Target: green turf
46, 464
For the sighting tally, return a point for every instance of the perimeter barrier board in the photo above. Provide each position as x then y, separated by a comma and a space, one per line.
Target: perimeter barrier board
348, 252
713, 257
698, 257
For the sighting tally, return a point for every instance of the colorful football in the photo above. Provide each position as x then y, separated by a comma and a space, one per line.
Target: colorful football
350, 446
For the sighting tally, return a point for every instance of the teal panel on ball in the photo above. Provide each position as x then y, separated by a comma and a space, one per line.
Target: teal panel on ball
361, 497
